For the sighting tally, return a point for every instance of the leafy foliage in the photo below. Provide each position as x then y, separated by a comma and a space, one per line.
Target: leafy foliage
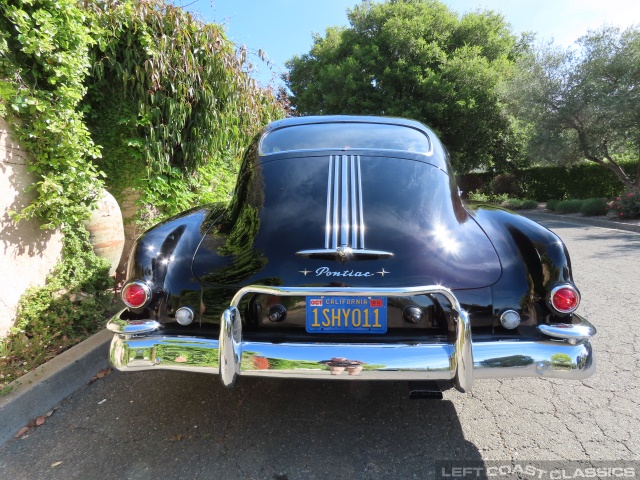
553, 204
169, 101
53, 318
569, 206
44, 60
506, 183
584, 103
519, 204
626, 206
44, 63
503, 200
179, 93
594, 206
417, 59
556, 182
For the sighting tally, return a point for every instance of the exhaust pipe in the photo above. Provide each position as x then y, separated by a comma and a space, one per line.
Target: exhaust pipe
424, 391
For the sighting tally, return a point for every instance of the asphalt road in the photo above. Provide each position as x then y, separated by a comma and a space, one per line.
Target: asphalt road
156, 425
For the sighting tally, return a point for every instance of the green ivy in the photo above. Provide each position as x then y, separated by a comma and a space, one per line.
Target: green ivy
181, 100
140, 90
45, 59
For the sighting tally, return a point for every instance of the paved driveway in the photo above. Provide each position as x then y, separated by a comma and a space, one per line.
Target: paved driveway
165, 425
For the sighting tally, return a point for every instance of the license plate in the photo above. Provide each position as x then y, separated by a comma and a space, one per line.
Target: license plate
346, 314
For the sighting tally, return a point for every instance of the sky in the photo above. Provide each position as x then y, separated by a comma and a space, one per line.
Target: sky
284, 28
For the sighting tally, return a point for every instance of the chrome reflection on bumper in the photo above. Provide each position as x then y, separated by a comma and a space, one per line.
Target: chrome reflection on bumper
499, 359
569, 357
569, 331
131, 327
459, 356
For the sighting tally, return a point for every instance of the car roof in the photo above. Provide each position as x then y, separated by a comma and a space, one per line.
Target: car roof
291, 121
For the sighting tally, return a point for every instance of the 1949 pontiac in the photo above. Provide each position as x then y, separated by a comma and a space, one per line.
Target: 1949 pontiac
347, 253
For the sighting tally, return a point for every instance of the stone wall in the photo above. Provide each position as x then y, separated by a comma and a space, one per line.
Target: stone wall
27, 253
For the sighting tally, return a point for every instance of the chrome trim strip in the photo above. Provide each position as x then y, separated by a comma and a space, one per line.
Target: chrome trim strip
328, 222
569, 331
344, 213
354, 215
361, 224
334, 243
344, 193
362, 254
346, 292
496, 359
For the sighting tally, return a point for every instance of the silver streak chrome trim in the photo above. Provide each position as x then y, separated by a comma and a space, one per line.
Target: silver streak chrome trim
569, 331
344, 223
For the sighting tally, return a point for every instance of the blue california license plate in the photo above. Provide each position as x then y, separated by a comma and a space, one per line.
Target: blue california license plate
346, 314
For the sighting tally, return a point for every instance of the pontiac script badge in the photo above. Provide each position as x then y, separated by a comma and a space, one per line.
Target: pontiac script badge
327, 272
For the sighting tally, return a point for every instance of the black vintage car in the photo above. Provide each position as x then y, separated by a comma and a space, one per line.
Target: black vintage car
346, 253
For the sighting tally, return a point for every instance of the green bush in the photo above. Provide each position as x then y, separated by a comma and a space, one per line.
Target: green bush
506, 183
569, 206
479, 197
486, 198
627, 205
545, 183
594, 206
553, 205
518, 204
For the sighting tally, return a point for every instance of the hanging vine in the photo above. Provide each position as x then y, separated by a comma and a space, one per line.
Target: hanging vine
44, 62
137, 89
196, 106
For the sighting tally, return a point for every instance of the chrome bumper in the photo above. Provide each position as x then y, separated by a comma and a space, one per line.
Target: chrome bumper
138, 346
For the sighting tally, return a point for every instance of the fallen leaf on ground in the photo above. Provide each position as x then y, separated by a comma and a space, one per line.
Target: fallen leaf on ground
100, 374
40, 420
21, 432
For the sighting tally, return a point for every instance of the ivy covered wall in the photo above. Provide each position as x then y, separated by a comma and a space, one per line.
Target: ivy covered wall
132, 95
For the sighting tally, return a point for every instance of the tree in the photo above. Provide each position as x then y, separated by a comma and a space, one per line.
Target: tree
584, 103
416, 59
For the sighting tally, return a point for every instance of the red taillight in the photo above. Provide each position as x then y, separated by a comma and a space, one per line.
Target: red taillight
564, 298
135, 294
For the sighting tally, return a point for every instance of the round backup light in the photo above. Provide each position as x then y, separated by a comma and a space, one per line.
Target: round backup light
564, 298
184, 315
510, 319
135, 294
412, 314
276, 313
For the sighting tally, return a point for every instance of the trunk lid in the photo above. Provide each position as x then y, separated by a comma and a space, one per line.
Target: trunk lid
396, 221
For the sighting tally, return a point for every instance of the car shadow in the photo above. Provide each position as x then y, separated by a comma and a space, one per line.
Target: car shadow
176, 425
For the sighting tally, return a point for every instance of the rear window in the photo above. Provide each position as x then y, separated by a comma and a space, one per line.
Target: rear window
344, 136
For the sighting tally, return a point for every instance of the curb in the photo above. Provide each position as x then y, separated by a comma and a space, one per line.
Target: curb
592, 222
45, 387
